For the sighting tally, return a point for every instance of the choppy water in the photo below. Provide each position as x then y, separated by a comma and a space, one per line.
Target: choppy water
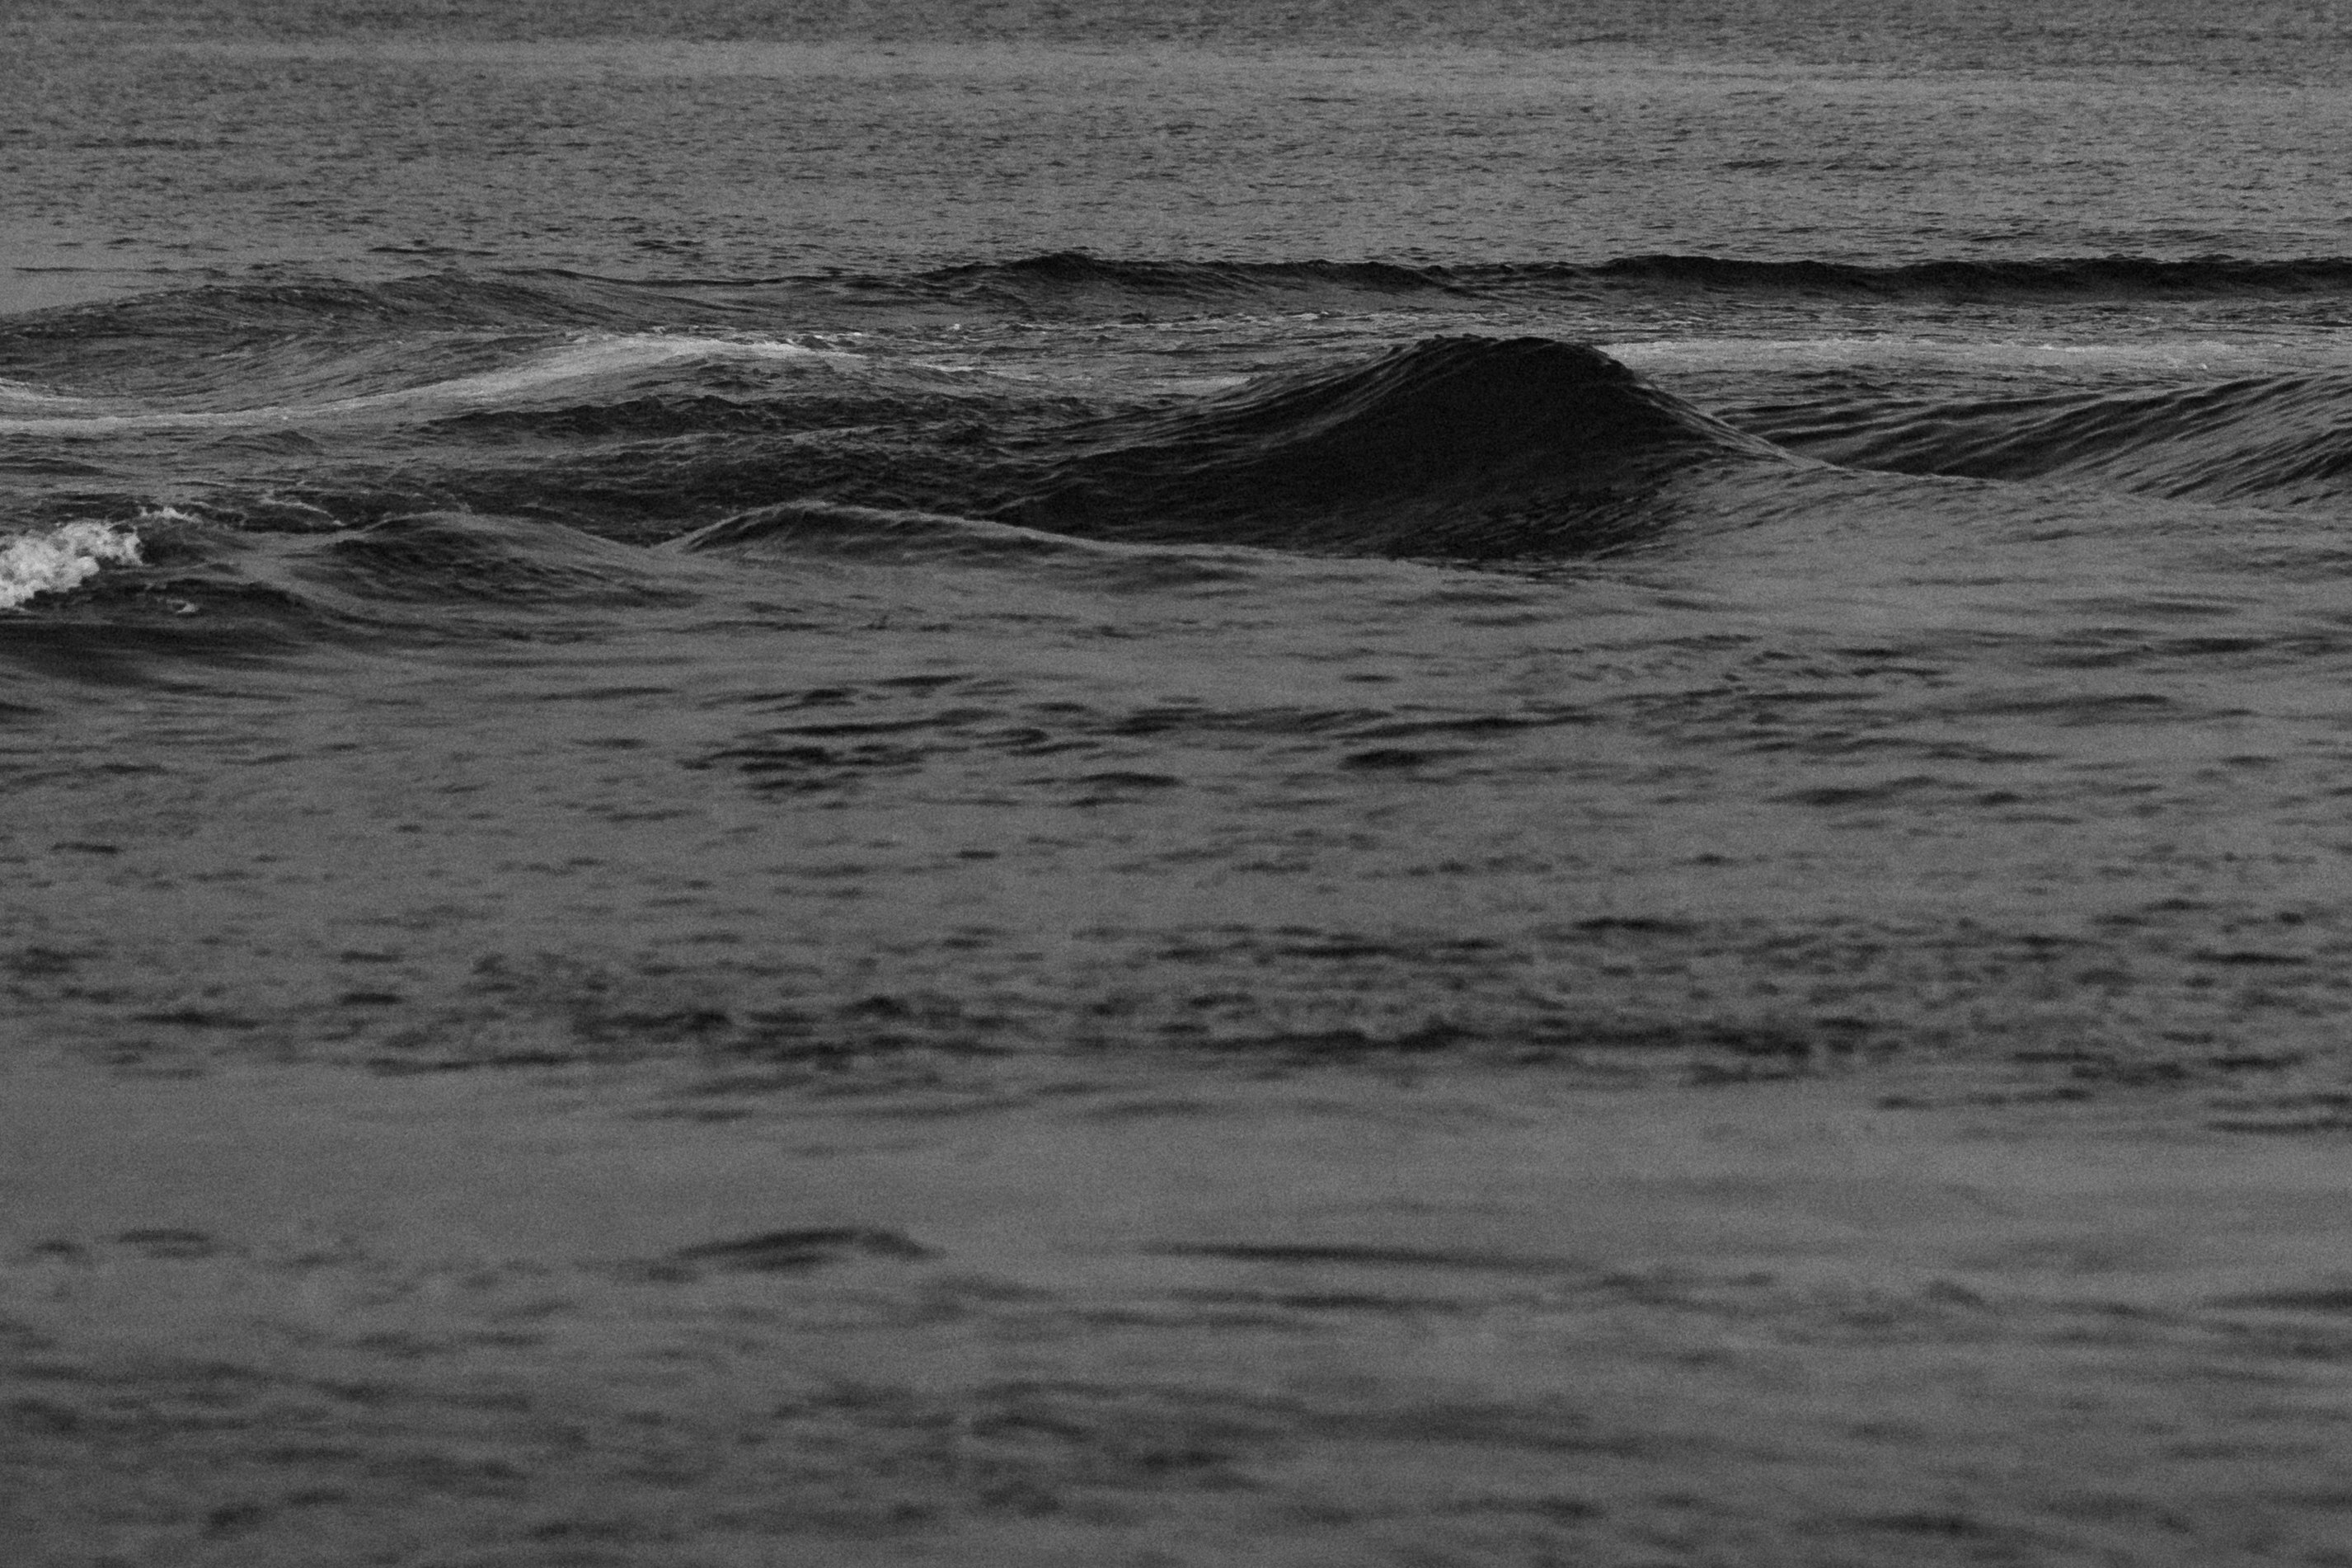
1770, 534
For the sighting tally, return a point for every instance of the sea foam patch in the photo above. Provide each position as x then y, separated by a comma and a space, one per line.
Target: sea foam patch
65, 558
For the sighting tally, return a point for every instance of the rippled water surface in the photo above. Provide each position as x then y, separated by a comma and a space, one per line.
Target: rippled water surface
737, 140
1736, 537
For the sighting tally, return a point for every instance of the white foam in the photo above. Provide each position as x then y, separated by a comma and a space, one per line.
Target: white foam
53, 562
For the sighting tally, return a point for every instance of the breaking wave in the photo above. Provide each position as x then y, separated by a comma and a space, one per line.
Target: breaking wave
61, 560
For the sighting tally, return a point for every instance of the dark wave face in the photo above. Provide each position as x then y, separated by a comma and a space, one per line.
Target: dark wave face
1462, 447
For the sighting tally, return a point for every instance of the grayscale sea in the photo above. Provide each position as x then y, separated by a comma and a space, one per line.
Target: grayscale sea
710, 564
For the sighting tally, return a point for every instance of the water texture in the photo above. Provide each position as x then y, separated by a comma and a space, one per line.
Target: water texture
1125, 782
1729, 536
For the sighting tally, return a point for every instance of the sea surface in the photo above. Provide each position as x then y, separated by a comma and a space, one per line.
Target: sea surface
819, 539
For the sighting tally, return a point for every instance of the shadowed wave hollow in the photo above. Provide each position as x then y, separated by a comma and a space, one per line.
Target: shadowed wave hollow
1472, 448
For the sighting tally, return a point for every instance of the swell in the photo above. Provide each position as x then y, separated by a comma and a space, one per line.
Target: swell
2275, 440
1459, 447
638, 434
1472, 448
1057, 284
1066, 281
527, 509
2117, 276
1477, 448
1072, 280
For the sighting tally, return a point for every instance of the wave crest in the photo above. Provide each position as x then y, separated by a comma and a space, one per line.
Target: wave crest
1063, 283
1459, 447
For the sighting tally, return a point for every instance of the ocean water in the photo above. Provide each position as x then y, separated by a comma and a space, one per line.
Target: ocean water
845, 540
